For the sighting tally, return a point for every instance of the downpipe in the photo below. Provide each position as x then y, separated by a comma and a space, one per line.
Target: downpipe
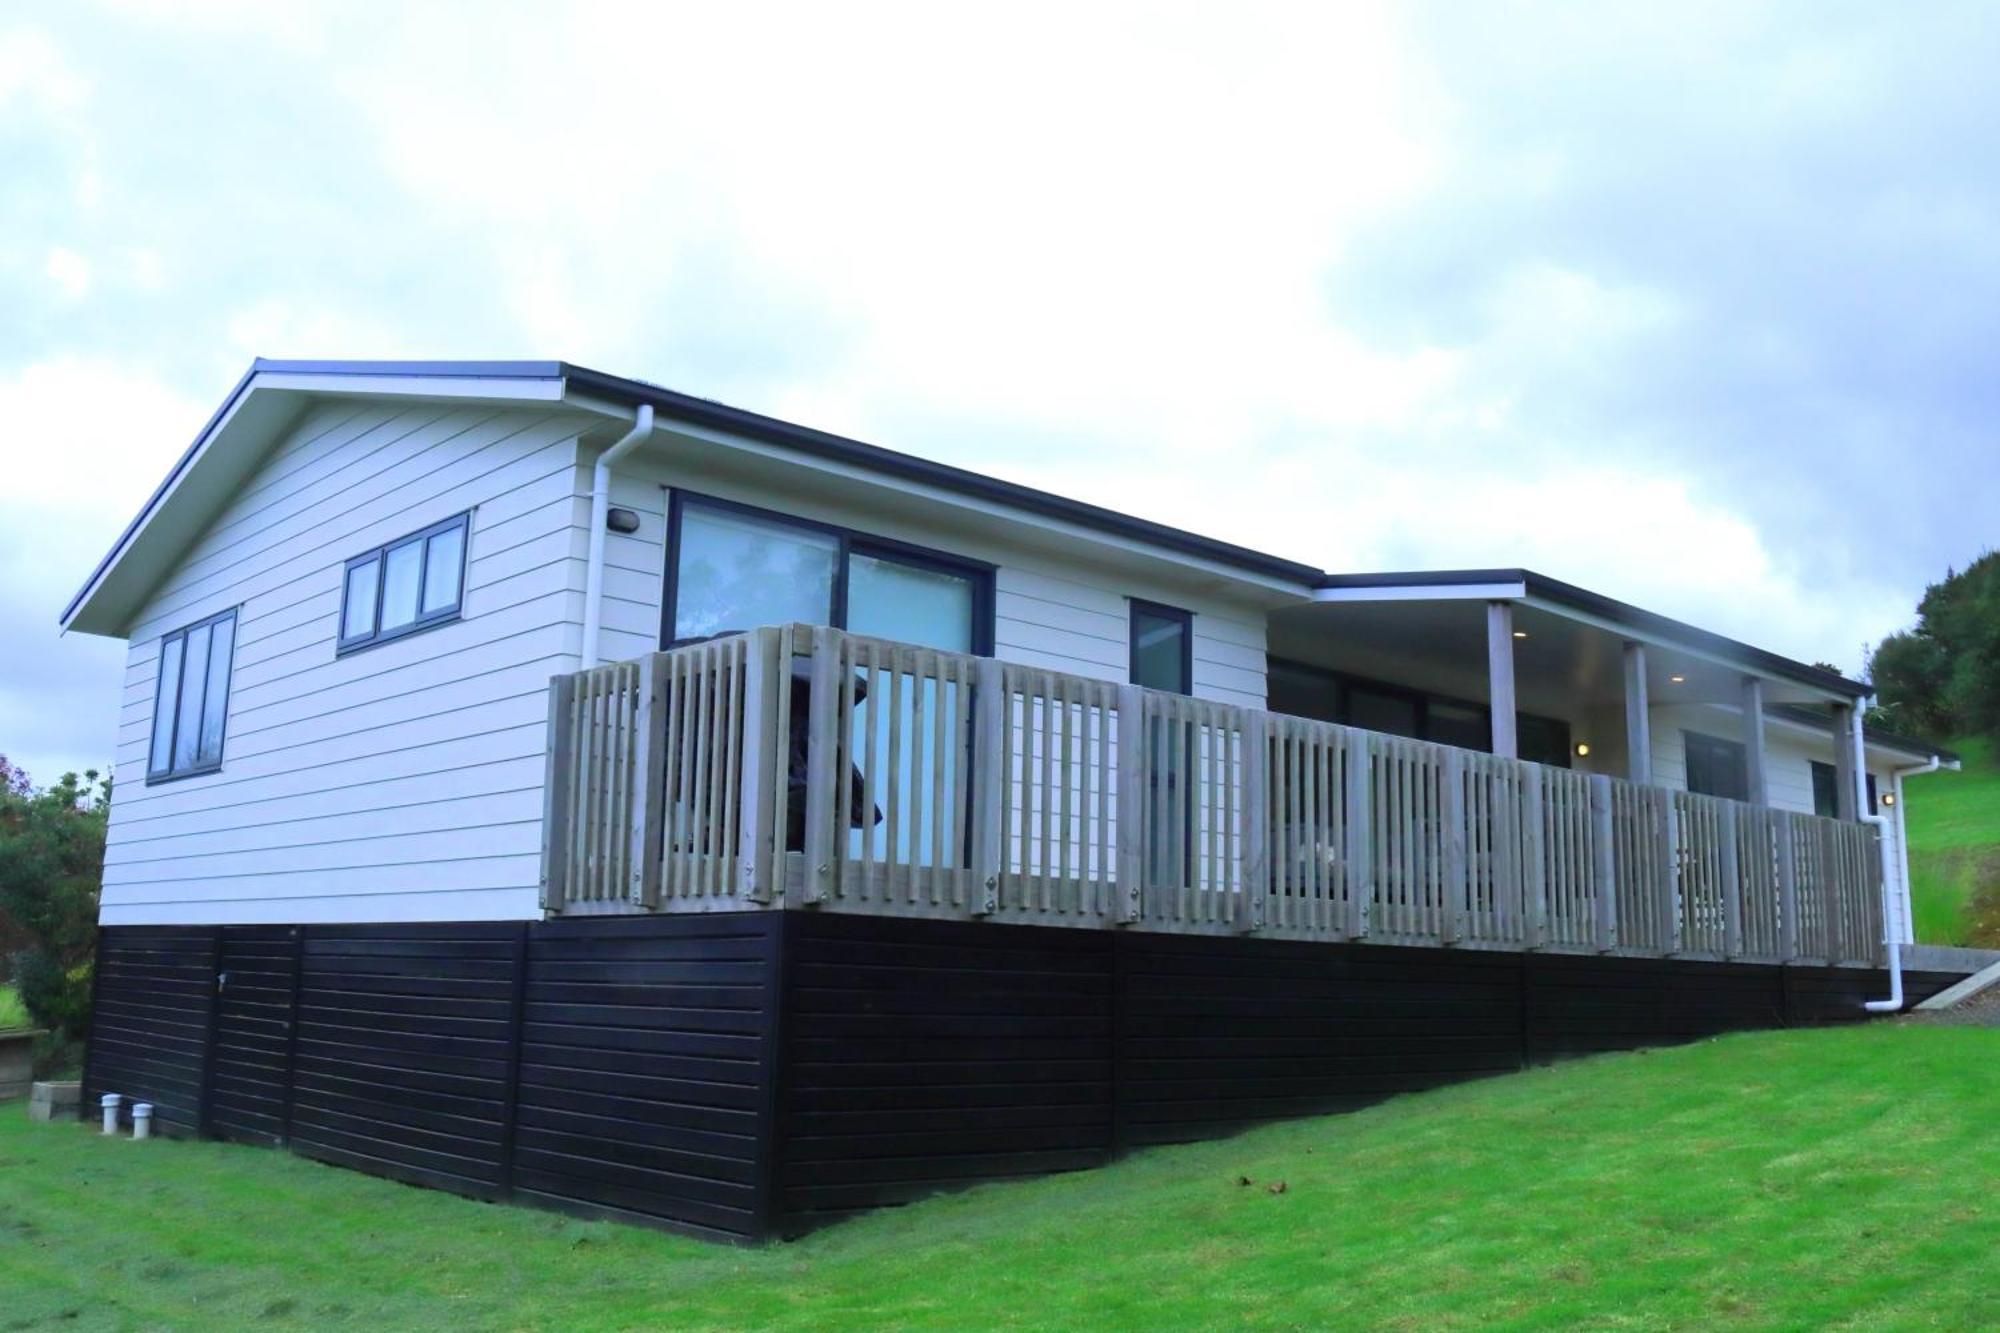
1894, 1002
600, 509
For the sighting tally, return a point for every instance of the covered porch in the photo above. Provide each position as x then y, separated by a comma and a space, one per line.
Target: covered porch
1521, 666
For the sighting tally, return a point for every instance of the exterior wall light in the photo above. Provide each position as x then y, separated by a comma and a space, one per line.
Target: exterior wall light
621, 520
1888, 798
1583, 749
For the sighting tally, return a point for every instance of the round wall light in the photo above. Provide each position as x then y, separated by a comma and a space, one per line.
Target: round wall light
1583, 749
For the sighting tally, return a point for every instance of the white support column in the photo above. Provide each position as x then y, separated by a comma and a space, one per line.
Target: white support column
1757, 763
1500, 676
1848, 778
1638, 716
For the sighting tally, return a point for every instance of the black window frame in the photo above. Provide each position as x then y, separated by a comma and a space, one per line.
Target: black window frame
155, 776
343, 644
850, 542
1829, 775
1342, 684
1717, 746
1135, 606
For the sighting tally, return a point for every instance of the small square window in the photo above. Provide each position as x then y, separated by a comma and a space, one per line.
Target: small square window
191, 699
405, 585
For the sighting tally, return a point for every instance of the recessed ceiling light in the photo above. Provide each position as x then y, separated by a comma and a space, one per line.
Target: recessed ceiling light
1520, 634
1678, 680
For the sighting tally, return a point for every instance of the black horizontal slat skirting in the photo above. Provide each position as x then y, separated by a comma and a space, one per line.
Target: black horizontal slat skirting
745, 1075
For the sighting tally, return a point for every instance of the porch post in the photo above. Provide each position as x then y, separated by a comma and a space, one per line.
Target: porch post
1847, 781
1756, 766
1500, 676
1638, 717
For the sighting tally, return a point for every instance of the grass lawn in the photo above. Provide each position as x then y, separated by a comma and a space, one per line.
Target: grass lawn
1953, 820
1791, 1179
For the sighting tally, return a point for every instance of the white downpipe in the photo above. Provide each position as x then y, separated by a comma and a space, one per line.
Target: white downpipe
1890, 935
600, 508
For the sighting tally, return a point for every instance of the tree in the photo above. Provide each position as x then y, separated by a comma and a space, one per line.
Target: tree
1942, 677
51, 863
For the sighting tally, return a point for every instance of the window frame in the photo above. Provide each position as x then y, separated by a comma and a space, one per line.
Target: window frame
377, 636
1344, 682
1692, 740
849, 542
156, 776
1185, 618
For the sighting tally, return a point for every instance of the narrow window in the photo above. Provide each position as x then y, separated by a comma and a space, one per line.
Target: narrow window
405, 585
191, 699
1826, 790
1162, 648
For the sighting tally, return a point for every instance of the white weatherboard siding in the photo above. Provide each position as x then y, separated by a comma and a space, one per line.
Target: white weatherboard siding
398, 783
1050, 611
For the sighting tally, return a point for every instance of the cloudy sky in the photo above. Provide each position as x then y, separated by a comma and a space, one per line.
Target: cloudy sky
1691, 304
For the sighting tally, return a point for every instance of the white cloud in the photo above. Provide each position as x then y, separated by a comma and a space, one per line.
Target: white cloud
1629, 300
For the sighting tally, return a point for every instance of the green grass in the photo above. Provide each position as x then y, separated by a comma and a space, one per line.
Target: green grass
1953, 821
13, 1014
1777, 1180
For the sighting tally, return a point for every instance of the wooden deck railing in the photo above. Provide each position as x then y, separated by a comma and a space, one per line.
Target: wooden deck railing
807, 767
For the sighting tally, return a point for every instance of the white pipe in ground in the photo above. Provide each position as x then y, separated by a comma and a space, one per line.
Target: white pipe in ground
109, 1102
142, 1120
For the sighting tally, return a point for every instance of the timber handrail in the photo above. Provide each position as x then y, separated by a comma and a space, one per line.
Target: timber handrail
808, 767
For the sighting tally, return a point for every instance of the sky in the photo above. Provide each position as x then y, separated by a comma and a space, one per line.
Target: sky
1692, 304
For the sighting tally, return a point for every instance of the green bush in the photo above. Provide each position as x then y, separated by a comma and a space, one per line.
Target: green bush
51, 863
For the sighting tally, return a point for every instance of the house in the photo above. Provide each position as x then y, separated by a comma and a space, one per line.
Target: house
965, 831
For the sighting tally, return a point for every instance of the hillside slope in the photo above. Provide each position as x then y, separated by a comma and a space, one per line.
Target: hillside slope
1953, 820
1798, 1179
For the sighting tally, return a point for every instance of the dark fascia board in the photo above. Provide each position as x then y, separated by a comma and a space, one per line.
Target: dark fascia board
1618, 613
1882, 736
959, 481
721, 416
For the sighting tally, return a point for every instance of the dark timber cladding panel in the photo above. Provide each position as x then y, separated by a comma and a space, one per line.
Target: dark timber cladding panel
1578, 1004
249, 1064
403, 1050
1219, 1033
920, 1055
643, 1060
149, 1037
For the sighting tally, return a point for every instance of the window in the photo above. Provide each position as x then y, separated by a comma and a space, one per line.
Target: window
1299, 690
1716, 767
1826, 791
410, 584
191, 699
736, 568
1162, 648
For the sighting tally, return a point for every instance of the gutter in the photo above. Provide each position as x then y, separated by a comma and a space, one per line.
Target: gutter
600, 508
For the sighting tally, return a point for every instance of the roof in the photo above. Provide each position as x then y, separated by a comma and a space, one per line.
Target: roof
1597, 605
1880, 737
558, 379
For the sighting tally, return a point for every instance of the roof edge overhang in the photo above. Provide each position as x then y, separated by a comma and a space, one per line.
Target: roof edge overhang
267, 396
596, 391
1566, 599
